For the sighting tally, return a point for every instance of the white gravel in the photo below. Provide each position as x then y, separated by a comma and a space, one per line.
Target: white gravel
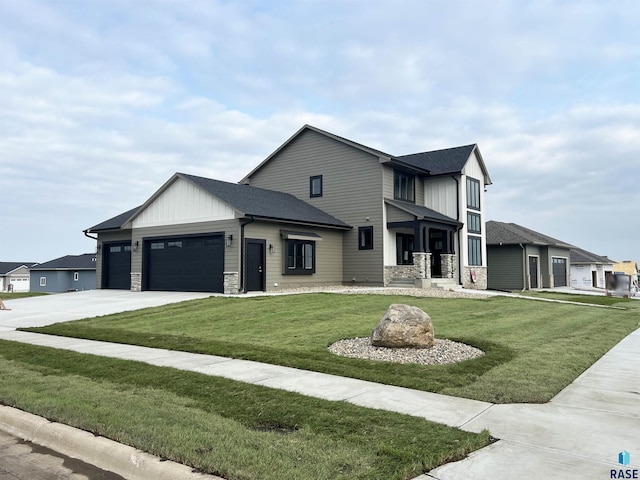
443, 352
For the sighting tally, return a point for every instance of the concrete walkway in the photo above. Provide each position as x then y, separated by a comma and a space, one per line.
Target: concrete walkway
575, 436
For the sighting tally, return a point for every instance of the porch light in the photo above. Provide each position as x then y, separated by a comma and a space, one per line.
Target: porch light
272, 249
228, 240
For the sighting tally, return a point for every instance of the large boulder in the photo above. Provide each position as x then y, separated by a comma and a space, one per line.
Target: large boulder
404, 326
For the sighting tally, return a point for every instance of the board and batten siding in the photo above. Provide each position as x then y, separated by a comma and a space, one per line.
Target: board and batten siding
226, 227
505, 267
441, 195
183, 202
328, 256
352, 186
108, 237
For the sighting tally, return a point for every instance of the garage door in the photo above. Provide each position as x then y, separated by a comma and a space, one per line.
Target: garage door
116, 266
184, 264
559, 272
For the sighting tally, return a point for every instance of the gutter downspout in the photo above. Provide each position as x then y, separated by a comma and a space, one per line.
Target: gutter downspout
524, 268
243, 287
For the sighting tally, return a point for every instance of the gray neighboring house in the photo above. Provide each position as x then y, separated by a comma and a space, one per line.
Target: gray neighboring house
589, 270
14, 276
65, 274
320, 210
523, 259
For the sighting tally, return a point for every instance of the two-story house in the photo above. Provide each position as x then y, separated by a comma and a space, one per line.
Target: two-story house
320, 210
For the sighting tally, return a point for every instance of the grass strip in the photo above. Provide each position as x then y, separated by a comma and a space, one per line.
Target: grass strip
235, 430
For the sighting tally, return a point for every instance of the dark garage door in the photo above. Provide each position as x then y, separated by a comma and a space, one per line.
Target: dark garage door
559, 272
116, 266
184, 264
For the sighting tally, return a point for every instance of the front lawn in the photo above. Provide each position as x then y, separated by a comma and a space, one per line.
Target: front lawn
236, 430
533, 349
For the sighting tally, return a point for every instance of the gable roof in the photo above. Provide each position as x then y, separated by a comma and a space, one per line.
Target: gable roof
422, 213
582, 256
7, 267
499, 233
114, 223
437, 162
86, 261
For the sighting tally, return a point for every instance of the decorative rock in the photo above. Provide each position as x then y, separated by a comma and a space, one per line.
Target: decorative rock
404, 326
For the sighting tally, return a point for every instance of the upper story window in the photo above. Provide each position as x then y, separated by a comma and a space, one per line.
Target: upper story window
404, 186
315, 186
473, 193
474, 225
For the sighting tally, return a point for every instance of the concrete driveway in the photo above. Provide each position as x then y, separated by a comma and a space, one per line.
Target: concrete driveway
63, 307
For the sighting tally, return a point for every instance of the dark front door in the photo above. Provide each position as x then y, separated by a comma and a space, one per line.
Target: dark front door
255, 265
533, 272
437, 246
116, 266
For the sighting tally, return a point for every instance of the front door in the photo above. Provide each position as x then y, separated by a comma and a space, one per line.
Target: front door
533, 272
437, 246
255, 265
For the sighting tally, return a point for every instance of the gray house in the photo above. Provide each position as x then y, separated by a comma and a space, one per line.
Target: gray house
320, 210
64, 274
522, 259
14, 276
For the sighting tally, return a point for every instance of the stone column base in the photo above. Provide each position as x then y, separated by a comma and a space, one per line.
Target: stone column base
136, 282
231, 283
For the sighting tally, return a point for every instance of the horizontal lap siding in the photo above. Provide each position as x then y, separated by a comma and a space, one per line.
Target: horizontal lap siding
505, 269
352, 186
328, 256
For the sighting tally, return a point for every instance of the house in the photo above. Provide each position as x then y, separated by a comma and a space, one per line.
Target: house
14, 276
589, 270
64, 274
320, 210
627, 267
522, 259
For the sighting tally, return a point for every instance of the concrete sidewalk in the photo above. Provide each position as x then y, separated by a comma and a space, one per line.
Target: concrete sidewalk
575, 436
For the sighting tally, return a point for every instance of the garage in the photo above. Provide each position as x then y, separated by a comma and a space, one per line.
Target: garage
559, 272
184, 264
116, 270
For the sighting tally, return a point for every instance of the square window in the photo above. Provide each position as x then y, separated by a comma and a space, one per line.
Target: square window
300, 258
365, 238
315, 186
474, 225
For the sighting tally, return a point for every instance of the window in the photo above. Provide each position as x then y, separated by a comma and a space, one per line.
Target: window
315, 186
117, 249
157, 245
404, 186
177, 244
365, 238
301, 256
76, 276
475, 251
473, 193
43, 281
473, 223
404, 249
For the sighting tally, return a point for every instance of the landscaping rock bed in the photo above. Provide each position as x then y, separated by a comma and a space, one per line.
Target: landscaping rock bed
443, 352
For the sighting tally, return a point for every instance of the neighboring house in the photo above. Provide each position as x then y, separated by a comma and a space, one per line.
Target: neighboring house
14, 276
64, 274
628, 267
320, 210
522, 259
589, 270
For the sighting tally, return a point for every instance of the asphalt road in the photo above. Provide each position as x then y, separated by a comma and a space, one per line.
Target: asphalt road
20, 460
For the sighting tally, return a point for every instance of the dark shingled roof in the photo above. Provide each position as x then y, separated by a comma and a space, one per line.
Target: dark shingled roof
582, 256
86, 261
7, 267
113, 223
440, 162
513, 234
421, 212
267, 204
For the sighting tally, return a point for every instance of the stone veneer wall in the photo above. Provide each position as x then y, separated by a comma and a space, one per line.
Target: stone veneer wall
481, 278
231, 283
136, 282
398, 271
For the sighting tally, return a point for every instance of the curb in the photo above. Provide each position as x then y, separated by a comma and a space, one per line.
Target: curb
101, 452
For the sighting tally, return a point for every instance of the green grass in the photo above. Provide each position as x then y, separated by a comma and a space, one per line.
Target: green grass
235, 430
533, 349
15, 295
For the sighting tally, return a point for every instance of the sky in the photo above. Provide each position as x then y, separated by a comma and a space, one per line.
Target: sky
101, 102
